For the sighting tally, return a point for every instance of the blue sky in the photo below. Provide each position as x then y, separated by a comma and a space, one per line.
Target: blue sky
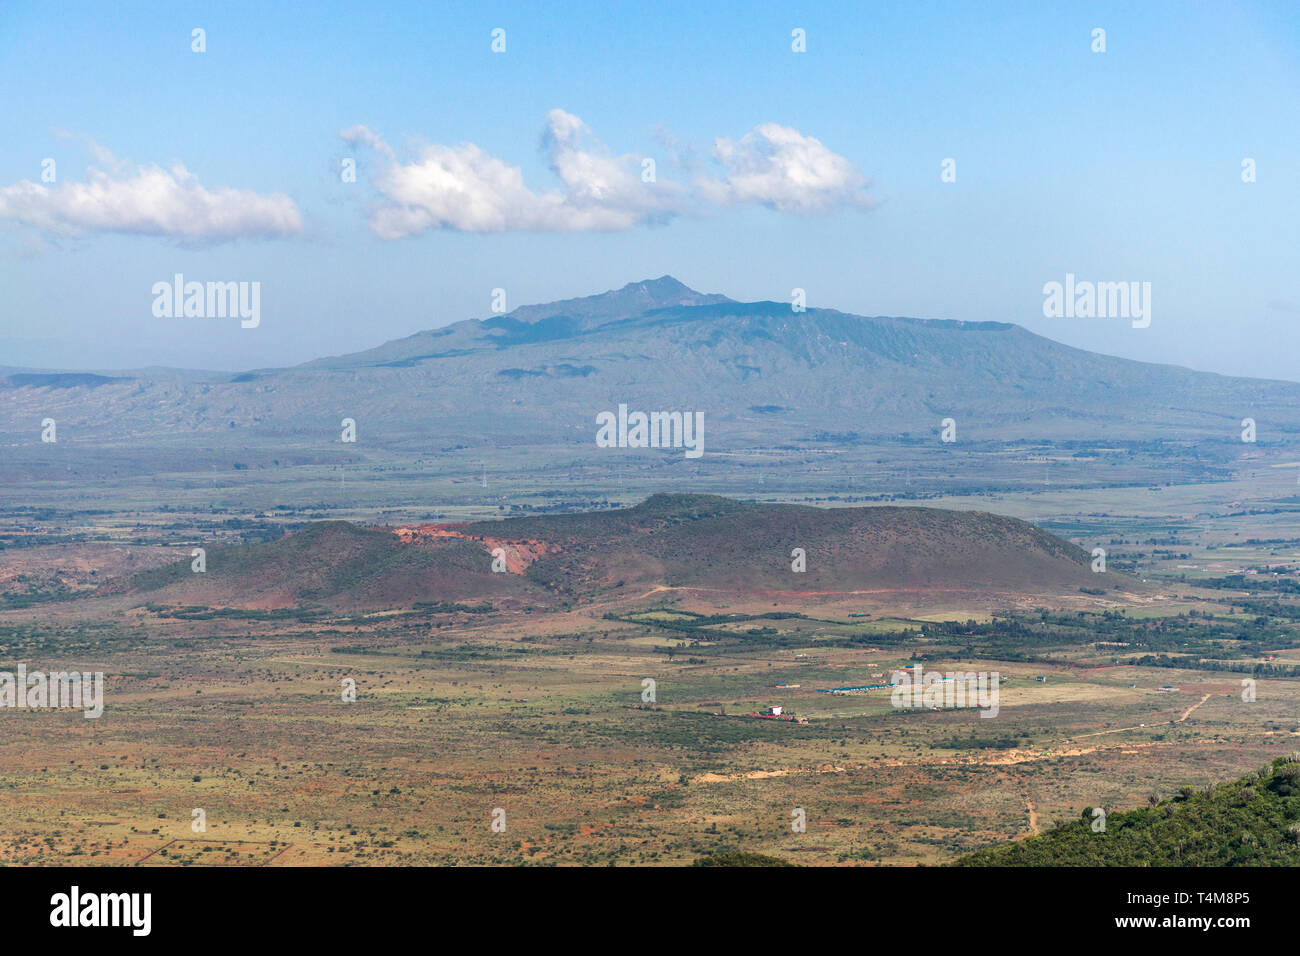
1115, 166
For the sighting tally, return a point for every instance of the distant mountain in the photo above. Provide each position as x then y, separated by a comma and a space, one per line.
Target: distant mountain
763, 376
669, 541
1254, 821
528, 324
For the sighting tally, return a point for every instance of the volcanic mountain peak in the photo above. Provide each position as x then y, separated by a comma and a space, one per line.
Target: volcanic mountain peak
634, 298
528, 325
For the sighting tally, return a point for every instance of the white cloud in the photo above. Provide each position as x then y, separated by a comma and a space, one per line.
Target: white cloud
681, 155
781, 168
151, 201
364, 136
464, 188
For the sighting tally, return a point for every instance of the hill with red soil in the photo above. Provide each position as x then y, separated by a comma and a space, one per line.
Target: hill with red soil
676, 541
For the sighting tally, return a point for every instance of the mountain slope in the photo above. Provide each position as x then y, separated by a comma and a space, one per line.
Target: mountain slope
1254, 821
528, 324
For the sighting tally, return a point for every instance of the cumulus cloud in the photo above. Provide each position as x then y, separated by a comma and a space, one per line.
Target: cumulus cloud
464, 188
781, 168
150, 201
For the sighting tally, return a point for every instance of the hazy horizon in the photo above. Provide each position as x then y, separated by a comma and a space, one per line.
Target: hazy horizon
86, 367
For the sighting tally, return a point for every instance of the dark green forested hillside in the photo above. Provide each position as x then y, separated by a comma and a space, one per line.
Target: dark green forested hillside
738, 858
1254, 821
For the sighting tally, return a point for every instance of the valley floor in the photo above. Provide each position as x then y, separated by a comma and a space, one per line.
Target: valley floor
466, 717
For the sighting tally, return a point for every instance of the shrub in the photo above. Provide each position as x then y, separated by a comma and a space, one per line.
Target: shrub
1288, 773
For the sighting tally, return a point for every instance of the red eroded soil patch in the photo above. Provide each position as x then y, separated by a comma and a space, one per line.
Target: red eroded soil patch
520, 553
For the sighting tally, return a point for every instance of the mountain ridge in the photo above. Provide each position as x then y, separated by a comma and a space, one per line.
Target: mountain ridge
537, 376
